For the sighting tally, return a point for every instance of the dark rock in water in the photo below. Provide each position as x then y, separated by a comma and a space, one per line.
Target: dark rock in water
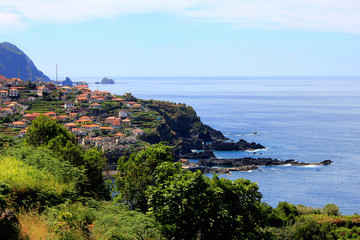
326, 162
239, 162
241, 145
14, 63
199, 155
225, 166
107, 81
67, 82
97, 82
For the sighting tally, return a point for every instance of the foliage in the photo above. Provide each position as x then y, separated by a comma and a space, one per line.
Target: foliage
45, 159
22, 177
192, 206
43, 129
71, 221
116, 222
100, 220
331, 209
30, 186
46, 132
7, 141
94, 163
287, 212
34, 225
303, 210
313, 230
136, 174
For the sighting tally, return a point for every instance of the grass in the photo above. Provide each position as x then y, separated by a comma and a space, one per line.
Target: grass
43, 106
23, 178
10, 131
34, 226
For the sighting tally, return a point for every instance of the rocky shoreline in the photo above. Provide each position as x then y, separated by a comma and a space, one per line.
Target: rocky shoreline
225, 166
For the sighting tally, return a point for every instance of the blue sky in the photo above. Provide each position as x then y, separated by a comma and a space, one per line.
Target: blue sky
186, 38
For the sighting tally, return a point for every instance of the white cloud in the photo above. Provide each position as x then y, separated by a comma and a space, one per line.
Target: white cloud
316, 15
10, 22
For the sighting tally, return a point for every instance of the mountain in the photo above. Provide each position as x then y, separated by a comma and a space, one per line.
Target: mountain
14, 63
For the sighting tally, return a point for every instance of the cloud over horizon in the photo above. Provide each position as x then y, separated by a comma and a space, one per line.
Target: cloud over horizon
307, 15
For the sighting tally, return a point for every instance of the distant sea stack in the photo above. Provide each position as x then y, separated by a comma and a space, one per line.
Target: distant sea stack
14, 63
107, 81
67, 82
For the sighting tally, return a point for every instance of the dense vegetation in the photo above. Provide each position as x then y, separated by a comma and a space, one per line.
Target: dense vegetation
50, 188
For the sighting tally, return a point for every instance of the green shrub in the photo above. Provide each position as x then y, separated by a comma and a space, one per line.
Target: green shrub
287, 212
331, 210
303, 210
30, 186
71, 221
313, 230
117, 222
44, 159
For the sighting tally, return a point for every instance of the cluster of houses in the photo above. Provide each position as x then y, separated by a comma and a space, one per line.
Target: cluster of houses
110, 133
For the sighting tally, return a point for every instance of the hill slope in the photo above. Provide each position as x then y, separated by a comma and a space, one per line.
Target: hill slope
14, 62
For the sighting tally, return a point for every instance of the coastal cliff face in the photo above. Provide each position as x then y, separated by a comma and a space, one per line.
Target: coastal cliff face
183, 129
14, 63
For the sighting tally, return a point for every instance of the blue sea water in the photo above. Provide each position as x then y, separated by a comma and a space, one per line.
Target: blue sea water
309, 119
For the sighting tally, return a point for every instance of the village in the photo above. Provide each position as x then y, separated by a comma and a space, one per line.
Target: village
111, 123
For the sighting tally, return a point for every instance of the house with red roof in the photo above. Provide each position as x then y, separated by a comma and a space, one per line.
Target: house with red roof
19, 124
30, 116
4, 94
95, 105
109, 129
138, 132
50, 114
90, 127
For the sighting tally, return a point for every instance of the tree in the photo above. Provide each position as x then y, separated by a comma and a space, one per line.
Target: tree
95, 162
136, 174
43, 129
192, 206
49, 133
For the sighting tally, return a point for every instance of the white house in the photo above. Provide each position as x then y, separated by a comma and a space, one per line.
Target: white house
69, 105
123, 113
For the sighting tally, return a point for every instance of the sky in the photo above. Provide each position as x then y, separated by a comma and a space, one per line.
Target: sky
186, 37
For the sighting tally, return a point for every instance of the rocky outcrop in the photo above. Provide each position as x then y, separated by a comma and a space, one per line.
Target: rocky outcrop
107, 81
67, 82
14, 63
183, 129
226, 166
199, 155
241, 145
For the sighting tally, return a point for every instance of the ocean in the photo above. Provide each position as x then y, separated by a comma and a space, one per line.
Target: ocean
309, 119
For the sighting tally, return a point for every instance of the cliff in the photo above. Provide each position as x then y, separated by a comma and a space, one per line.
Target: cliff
183, 129
14, 63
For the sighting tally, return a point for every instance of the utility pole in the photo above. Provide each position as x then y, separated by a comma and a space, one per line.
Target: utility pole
56, 74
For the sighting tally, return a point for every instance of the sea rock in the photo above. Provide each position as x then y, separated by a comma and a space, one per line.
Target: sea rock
107, 81
67, 82
239, 162
241, 145
199, 155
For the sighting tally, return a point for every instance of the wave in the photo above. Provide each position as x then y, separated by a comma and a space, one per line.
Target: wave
257, 150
